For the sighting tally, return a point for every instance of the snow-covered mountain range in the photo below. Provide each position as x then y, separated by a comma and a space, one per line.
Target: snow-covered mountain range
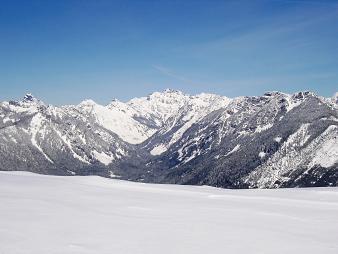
273, 140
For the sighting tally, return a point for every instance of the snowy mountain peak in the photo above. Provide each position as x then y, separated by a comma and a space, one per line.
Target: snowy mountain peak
114, 100
302, 95
87, 104
272, 93
29, 97
167, 93
115, 103
169, 90
29, 101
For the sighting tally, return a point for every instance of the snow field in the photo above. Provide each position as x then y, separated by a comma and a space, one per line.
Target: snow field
50, 214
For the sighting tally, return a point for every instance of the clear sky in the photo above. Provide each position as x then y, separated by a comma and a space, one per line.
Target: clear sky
64, 51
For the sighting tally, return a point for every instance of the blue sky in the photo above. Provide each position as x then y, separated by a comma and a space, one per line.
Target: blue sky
67, 51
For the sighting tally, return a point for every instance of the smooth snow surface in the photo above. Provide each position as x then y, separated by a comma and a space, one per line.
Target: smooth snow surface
157, 150
49, 214
103, 157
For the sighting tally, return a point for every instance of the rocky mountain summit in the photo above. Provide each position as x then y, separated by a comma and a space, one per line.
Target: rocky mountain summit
269, 141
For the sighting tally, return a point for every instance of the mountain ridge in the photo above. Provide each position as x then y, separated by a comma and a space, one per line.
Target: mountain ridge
269, 141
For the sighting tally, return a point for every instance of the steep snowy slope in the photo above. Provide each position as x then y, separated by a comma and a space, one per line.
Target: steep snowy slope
299, 152
53, 140
256, 134
48, 214
164, 112
158, 107
118, 118
174, 113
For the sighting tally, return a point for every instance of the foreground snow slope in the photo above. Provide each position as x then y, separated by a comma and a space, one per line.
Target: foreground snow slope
49, 214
